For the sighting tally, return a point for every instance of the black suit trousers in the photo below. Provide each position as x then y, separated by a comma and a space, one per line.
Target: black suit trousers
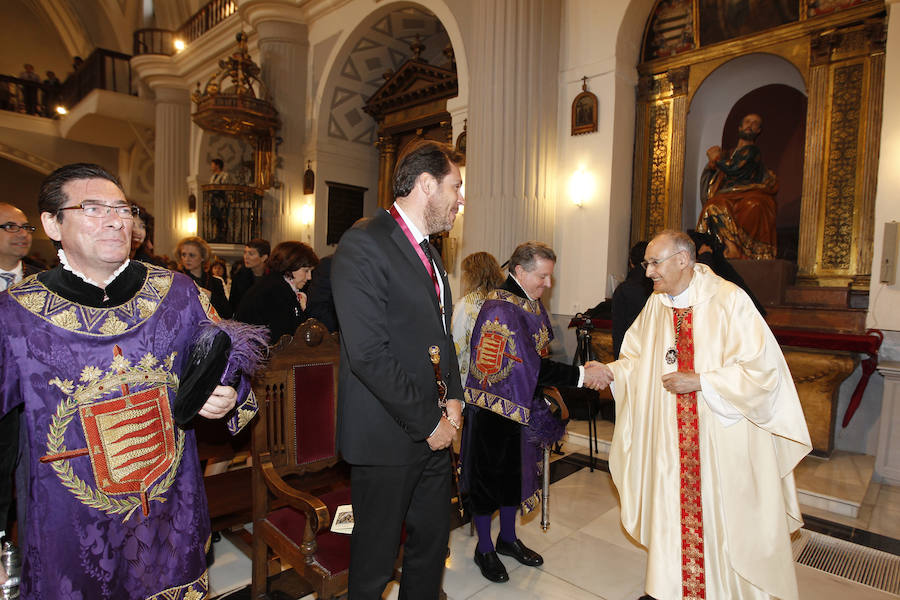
385, 497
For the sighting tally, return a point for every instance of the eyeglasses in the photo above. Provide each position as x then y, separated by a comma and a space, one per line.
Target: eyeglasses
656, 263
98, 210
15, 227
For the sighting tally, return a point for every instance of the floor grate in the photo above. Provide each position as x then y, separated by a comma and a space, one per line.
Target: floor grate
874, 568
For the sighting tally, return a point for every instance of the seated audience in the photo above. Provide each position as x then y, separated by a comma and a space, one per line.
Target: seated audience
193, 260
277, 300
256, 253
142, 239
219, 269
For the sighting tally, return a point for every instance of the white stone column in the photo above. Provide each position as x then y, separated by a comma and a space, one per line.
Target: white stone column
171, 169
283, 52
887, 460
511, 158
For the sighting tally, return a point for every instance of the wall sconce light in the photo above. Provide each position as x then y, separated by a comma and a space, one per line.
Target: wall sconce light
581, 186
192, 203
307, 214
190, 224
309, 179
178, 43
61, 110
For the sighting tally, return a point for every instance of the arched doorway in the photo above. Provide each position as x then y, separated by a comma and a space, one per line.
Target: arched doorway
344, 136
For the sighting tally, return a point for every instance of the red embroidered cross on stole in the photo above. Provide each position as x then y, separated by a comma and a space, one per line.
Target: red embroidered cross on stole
693, 580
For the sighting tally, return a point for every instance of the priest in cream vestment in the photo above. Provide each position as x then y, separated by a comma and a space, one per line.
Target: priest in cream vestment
708, 431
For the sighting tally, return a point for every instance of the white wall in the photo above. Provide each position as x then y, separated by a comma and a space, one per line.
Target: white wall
599, 40
884, 299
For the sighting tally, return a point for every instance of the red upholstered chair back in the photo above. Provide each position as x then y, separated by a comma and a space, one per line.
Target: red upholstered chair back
297, 394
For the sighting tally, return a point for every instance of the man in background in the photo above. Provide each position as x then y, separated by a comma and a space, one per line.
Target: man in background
256, 253
393, 302
15, 243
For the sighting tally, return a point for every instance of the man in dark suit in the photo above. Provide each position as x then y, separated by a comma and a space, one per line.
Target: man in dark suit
15, 243
393, 302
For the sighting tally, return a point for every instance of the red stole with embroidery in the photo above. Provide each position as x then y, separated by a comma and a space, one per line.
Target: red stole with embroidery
692, 569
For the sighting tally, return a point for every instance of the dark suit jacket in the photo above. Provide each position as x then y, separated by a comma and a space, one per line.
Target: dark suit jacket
29, 269
218, 298
321, 301
389, 315
272, 302
9, 439
241, 283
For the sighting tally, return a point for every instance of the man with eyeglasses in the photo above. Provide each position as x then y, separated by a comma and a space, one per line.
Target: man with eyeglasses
105, 356
15, 242
708, 431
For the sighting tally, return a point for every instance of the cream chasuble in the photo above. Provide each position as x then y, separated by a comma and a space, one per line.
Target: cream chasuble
748, 502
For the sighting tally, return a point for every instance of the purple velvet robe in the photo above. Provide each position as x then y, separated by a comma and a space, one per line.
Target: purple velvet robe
510, 337
115, 503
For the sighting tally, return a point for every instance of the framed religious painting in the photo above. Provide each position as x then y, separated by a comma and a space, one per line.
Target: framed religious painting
584, 111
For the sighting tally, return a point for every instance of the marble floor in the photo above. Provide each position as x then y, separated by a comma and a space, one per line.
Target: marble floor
586, 553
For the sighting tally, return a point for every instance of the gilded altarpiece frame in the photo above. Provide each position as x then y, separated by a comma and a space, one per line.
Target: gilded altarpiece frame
841, 59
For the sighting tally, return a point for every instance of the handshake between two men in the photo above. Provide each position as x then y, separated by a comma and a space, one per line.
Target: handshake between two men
598, 376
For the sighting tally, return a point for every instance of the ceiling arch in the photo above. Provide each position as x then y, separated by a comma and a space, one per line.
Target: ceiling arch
375, 49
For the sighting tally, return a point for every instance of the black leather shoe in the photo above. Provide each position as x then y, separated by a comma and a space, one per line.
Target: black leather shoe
491, 567
520, 552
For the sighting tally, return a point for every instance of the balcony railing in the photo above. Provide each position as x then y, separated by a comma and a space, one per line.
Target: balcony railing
31, 97
154, 41
230, 214
103, 69
162, 41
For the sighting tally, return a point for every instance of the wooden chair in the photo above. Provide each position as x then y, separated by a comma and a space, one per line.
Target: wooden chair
298, 479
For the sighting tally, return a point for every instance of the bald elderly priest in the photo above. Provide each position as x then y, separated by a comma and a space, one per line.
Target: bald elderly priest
708, 431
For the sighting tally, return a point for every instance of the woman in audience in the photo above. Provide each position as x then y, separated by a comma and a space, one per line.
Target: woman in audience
142, 239
193, 256
219, 269
277, 299
480, 275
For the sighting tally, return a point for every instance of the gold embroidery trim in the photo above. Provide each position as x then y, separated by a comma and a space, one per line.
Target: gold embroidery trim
37, 299
195, 590
497, 404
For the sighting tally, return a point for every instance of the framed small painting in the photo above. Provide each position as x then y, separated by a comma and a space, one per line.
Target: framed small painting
584, 111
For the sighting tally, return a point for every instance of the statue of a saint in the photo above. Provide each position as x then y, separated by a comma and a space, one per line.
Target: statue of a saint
739, 197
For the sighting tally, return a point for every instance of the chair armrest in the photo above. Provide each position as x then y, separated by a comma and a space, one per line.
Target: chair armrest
315, 510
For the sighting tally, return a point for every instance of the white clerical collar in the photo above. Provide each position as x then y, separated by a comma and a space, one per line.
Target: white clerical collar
65, 263
522, 287
682, 300
417, 235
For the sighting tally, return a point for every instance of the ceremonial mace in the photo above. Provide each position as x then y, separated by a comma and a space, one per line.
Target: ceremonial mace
557, 406
435, 354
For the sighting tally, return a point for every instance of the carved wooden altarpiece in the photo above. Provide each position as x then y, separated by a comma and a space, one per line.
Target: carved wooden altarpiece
841, 58
410, 105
